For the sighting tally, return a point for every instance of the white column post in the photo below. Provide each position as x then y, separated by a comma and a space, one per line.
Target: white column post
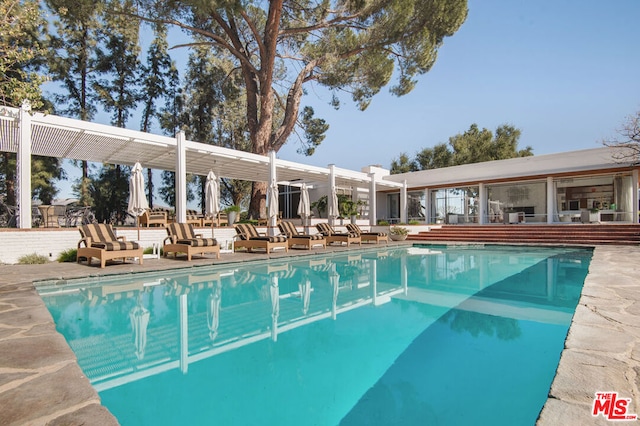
181, 178
272, 221
403, 202
482, 204
373, 198
634, 176
23, 167
551, 199
332, 190
427, 207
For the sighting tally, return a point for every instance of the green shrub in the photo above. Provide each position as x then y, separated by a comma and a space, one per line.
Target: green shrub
68, 255
414, 222
383, 223
33, 259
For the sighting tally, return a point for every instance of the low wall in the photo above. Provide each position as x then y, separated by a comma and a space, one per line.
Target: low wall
50, 242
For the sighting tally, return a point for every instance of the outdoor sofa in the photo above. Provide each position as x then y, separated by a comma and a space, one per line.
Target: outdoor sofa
249, 238
99, 241
296, 238
182, 239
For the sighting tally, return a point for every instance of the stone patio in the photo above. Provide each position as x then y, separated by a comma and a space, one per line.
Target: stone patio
41, 383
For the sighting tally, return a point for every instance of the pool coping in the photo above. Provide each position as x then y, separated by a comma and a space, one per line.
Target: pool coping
41, 382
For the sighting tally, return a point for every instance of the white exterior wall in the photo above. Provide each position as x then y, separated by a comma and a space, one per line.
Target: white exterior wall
51, 242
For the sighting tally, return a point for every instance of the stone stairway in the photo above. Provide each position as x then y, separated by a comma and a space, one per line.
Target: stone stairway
625, 234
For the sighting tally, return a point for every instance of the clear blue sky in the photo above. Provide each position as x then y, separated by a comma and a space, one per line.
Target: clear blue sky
565, 72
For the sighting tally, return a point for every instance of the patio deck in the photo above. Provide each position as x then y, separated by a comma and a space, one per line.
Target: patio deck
41, 383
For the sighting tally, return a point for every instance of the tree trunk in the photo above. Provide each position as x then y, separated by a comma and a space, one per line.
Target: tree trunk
258, 205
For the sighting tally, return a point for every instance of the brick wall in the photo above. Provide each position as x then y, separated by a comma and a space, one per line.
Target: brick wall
15, 243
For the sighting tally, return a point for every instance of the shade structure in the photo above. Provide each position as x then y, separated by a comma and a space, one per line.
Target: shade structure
137, 200
333, 205
211, 197
272, 197
139, 317
304, 207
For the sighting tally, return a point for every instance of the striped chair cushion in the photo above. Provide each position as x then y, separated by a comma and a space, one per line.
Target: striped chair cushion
182, 231
247, 231
103, 237
288, 229
352, 227
184, 234
326, 230
199, 242
116, 245
98, 232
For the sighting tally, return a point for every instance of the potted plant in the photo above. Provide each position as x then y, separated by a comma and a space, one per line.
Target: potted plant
398, 233
232, 214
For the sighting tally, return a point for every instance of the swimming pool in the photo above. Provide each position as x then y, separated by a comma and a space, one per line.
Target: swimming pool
418, 335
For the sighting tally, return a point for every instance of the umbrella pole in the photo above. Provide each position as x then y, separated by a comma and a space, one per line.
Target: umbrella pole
138, 225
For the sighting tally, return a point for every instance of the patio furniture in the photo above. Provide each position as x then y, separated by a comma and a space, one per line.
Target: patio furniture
337, 237
182, 239
156, 216
101, 242
296, 238
8, 215
368, 236
249, 238
194, 218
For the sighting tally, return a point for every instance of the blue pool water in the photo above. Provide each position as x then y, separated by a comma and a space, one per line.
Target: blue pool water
413, 336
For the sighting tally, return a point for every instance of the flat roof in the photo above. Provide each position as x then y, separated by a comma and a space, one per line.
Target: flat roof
596, 159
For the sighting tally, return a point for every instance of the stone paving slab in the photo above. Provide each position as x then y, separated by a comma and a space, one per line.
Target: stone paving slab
41, 383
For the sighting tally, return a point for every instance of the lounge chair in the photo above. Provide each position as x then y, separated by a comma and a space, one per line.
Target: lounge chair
194, 218
368, 236
182, 239
101, 242
296, 238
340, 237
154, 217
249, 238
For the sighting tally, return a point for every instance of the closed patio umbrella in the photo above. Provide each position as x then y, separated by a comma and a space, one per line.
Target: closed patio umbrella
304, 207
333, 206
137, 201
212, 199
272, 212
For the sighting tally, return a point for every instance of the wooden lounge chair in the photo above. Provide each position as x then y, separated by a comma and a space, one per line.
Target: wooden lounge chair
368, 236
194, 218
296, 238
337, 237
154, 217
249, 238
101, 242
182, 239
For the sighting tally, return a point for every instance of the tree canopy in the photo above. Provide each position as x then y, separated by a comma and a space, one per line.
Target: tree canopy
353, 47
472, 146
627, 143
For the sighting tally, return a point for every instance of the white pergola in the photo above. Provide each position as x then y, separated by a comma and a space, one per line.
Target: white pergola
27, 133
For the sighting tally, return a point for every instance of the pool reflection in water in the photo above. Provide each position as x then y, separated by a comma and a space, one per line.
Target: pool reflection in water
424, 335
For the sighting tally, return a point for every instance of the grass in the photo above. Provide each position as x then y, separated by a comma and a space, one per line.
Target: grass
33, 259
